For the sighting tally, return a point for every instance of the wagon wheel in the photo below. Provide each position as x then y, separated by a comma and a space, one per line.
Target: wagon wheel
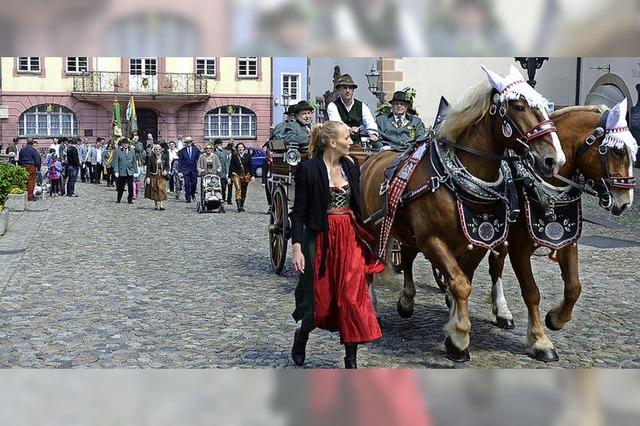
396, 257
278, 229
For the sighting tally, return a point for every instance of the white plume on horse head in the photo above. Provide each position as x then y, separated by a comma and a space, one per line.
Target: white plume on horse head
513, 86
617, 131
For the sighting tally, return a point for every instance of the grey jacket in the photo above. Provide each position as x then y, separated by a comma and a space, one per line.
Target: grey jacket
399, 138
93, 155
224, 163
124, 163
296, 133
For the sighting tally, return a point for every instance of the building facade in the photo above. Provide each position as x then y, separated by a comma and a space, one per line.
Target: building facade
289, 84
201, 97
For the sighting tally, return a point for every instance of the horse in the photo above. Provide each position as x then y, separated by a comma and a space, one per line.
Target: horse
610, 166
504, 113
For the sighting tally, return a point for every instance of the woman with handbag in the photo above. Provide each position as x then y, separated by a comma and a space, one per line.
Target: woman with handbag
241, 172
157, 175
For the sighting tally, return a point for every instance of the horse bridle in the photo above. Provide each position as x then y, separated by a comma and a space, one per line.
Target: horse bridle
604, 185
498, 110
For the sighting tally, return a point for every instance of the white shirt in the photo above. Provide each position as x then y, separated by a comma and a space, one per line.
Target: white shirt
99, 155
367, 118
56, 147
173, 154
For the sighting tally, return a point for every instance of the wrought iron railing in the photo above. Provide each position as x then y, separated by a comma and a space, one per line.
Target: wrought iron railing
120, 82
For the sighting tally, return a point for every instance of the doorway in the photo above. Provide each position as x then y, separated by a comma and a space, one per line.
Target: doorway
147, 123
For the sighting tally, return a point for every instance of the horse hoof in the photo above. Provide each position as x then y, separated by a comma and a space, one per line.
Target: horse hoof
455, 354
404, 313
546, 355
505, 323
397, 269
549, 323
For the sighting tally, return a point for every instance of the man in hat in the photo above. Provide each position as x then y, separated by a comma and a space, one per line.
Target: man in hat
278, 131
352, 112
399, 129
125, 168
188, 168
297, 132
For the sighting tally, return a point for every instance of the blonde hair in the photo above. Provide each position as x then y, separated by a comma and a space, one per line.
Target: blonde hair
153, 148
322, 134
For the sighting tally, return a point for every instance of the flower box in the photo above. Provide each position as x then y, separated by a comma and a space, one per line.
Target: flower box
16, 202
4, 221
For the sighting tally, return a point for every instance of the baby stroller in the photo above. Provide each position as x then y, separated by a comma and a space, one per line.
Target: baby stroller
210, 194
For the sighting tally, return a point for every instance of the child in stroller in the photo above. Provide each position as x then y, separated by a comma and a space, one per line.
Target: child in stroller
210, 191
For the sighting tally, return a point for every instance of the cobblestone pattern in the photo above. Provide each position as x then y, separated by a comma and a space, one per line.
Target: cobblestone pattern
116, 285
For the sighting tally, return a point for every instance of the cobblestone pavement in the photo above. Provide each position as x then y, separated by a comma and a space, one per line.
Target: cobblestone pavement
102, 284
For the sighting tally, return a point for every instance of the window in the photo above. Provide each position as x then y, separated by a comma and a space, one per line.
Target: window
28, 64
206, 67
48, 120
143, 66
290, 86
230, 122
77, 64
248, 67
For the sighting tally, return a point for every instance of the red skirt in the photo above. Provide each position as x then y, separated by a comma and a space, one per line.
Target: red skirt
341, 300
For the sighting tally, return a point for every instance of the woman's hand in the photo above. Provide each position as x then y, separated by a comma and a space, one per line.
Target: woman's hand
298, 259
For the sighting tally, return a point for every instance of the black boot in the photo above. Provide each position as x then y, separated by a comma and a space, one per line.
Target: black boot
242, 205
298, 351
238, 206
351, 351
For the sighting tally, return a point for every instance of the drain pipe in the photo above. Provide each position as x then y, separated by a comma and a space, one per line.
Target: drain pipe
578, 77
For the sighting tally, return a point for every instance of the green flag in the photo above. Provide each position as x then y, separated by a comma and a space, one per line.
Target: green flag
117, 126
132, 117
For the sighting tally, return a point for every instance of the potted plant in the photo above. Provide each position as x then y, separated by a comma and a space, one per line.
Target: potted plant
4, 219
13, 187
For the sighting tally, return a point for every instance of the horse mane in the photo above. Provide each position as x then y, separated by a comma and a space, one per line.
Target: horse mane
468, 110
578, 108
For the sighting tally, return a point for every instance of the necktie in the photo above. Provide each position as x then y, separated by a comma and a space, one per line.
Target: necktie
398, 122
189, 151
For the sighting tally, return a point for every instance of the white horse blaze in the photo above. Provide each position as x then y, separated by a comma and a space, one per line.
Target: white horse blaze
560, 157
498, 301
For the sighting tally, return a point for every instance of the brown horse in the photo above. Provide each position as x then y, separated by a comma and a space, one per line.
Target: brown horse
430, 224
575, 125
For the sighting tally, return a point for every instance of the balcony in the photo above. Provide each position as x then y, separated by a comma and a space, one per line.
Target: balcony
96, 84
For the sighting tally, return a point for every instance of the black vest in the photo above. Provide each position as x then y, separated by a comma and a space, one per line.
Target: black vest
351, 118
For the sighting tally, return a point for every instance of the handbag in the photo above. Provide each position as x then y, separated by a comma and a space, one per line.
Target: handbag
246, 177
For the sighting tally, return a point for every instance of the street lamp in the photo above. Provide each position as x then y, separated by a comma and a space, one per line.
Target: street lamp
531, 64
373, 80
285, 98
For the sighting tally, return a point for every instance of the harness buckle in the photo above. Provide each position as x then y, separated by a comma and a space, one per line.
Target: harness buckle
434, 183
383, 187
602, 149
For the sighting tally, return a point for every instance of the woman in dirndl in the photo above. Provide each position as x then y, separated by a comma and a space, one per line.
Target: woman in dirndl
331, 250
157, 171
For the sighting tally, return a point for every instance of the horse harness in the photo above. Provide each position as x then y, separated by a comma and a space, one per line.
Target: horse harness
484, 208
603, 186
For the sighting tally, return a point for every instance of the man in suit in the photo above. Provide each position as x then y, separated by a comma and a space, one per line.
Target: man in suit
278, 131
83, 152
297, 132
125, 167
226, 165
399, 129
188, 168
